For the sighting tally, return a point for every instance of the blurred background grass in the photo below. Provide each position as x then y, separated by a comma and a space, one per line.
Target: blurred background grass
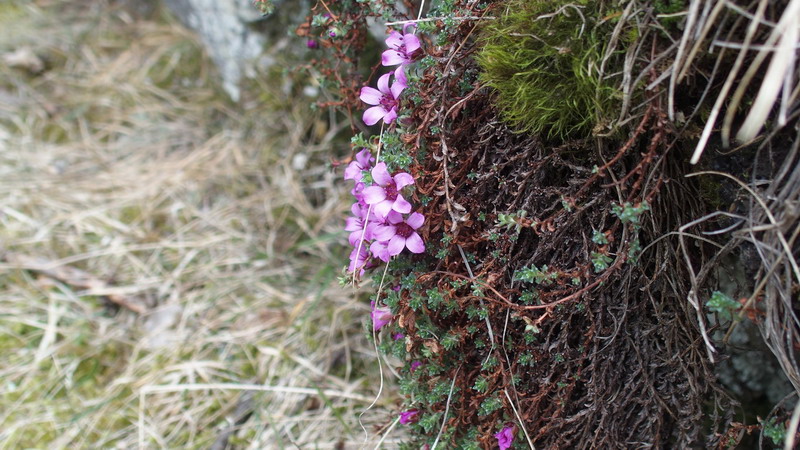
121, 157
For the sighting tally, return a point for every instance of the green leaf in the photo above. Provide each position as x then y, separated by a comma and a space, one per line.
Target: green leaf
723, 305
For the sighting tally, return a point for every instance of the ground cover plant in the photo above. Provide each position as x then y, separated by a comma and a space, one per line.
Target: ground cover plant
569, 291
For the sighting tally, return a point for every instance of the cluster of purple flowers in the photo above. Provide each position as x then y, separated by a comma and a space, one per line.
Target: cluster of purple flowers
403, 48
382, 224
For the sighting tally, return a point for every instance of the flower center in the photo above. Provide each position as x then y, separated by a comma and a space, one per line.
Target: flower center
388, 102
391, 191
403, 230
401, 49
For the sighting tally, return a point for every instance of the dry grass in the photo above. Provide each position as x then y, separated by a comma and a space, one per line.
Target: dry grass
770, 32
120, 158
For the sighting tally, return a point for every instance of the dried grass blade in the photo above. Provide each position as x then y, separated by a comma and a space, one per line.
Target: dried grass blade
723, 95
781, 67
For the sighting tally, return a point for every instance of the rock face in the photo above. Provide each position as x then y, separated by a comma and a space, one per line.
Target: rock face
224, 28
235, 34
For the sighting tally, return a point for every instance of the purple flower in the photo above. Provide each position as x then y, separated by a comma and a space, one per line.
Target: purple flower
505, 437
363, 161
400, 233
358, 193
398, 336
381, 315
359, 258
410, 416
380, 250
401, 48
384, 98
415, 365
359, 225
385, 196
312, 44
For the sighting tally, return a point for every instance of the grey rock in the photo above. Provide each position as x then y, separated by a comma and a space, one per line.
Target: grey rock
236, 35
239, 40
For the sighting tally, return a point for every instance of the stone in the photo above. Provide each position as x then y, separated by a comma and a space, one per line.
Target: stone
236, 35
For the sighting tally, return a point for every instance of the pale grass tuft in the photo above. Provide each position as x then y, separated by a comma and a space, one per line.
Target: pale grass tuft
123, 160
774, 56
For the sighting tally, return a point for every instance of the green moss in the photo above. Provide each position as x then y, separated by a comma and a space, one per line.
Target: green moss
669, 13
543, 58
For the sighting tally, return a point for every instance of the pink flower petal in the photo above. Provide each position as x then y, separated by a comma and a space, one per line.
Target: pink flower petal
365, 159
411, 42
374, 194
370, 96
410, 416
505, 438
353, 224
415, 220
380, 317
358, 258
380, 220
353, 171
394, 217
382, 208
357, 236
400, 76
403, 179
378, 250
415, 244
373, 115
391, 58
401, 205
394, 40
380, 174
358, 188
390, 116
354, 266
396, 245
383, 233
400, 83
383, 83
